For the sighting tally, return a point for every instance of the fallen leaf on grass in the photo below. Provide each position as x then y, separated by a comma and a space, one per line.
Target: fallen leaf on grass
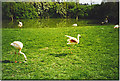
44, 48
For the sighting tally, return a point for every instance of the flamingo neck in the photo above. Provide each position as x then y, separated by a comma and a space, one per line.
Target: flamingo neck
23, 54
19, 50
78, 38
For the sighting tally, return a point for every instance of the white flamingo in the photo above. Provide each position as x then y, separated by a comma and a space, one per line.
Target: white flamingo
19, 45
116, 26
20, 24
74, 25
73, 40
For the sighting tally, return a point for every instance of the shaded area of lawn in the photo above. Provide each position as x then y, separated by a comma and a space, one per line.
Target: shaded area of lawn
49, 56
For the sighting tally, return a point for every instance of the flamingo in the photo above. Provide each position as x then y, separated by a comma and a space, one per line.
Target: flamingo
19, 45
116, 26
73, 40
20, 24
74, 25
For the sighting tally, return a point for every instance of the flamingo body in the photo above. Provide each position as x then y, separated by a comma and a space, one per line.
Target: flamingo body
116, 26
19, 45
20, 24
73, 40
74, 25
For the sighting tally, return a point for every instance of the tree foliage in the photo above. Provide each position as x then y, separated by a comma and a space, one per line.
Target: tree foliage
16, 10
109, 9
19, 10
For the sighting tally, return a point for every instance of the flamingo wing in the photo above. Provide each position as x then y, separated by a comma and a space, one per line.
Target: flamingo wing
69, 37
74, 40
20, 23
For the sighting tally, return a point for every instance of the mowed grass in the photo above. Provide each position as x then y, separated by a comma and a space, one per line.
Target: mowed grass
49, 56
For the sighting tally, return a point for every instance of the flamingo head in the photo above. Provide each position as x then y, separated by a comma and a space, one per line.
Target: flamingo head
79, 35
11, 44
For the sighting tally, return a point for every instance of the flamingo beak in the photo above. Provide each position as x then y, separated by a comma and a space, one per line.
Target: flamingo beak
80, 36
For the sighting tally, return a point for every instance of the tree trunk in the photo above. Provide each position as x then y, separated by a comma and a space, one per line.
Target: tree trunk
76, 17
12, 18
48, 17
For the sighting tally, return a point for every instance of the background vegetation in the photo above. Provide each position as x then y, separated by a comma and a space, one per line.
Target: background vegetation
18, 10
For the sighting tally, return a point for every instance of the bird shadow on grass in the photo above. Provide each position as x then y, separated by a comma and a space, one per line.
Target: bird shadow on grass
60, 55
6, 61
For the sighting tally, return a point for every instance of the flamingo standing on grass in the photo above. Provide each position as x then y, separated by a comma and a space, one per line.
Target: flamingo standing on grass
20, 24
74, 25
73, 40
116, 26
19, 45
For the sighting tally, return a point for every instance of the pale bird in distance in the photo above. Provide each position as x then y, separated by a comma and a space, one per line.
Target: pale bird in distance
19, 45
116, 26
74, 25
73, 40
20, 24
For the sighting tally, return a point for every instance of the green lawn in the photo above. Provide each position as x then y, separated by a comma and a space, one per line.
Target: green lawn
49, 56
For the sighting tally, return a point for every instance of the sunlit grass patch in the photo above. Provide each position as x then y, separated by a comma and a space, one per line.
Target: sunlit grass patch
49, 56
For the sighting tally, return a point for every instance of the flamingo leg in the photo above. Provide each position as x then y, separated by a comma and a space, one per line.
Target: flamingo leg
15, 57
18, 53
12, 57
70, 50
